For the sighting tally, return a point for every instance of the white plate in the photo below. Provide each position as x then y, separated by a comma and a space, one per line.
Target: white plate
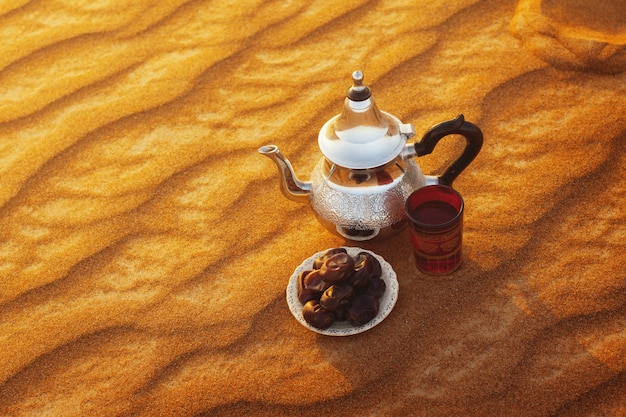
344, 328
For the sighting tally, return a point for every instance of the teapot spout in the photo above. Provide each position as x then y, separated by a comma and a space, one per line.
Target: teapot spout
290, 185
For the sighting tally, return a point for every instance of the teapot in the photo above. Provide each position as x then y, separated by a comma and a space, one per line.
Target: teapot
359, 187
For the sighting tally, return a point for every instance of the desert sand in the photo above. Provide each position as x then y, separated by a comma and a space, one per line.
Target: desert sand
145, 246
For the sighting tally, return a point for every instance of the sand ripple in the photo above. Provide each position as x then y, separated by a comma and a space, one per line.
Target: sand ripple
145, 249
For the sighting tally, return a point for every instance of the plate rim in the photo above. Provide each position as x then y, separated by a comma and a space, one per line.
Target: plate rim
390, 296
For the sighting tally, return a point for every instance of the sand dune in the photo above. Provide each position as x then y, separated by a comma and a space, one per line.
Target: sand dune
145, 246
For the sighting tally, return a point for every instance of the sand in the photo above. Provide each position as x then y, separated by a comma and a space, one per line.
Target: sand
145, 246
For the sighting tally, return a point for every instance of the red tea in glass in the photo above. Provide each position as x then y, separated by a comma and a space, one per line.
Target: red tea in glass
435, 214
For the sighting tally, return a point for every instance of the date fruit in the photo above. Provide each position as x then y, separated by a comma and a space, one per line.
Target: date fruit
317, 263
362, 309
336, 296
364, 270
376, 288
341, 287
305, 294
314, 282
337, 267
317, 316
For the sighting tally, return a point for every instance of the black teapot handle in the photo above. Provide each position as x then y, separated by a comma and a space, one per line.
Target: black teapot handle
457, 126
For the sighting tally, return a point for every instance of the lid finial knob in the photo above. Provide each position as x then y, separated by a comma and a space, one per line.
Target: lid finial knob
358, 92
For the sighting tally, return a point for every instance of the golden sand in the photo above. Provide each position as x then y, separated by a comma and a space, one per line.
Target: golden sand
145, 246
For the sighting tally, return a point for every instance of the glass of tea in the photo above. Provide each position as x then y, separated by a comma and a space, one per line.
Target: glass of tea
435, 214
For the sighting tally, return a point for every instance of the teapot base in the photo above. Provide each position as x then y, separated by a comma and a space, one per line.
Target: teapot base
359, 234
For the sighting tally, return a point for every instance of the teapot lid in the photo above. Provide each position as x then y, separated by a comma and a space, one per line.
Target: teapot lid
361, 136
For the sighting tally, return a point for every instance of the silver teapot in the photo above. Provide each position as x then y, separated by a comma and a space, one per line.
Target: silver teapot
358, 188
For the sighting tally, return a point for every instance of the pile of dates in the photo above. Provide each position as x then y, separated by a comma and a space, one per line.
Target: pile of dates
340, 287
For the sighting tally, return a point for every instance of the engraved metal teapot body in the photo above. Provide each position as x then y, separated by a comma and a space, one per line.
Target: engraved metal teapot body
358, 188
